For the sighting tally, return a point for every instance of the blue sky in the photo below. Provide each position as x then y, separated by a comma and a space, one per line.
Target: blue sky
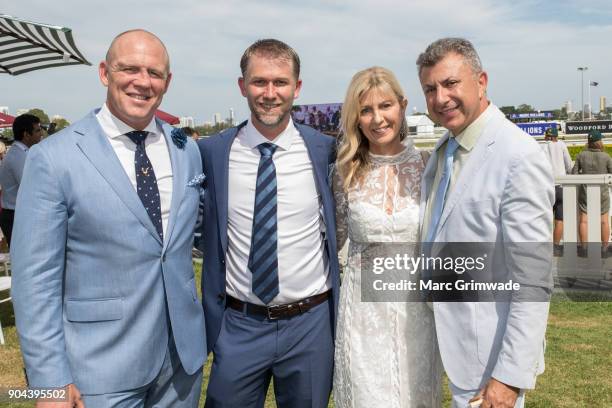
530, 49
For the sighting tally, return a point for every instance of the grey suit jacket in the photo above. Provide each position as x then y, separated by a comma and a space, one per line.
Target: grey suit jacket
503, 195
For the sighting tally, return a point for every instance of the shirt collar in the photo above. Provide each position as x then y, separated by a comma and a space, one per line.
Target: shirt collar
115, 127
21, 145
469, 136
253, 138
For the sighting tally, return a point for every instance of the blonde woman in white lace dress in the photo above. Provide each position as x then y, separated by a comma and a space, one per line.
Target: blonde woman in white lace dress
386, 352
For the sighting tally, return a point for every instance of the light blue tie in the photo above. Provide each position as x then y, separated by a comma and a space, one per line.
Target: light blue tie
438, 205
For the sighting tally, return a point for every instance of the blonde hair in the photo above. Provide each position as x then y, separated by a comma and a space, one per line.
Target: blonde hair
353, 160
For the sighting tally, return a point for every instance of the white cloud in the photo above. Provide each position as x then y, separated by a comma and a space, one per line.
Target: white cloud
530, 48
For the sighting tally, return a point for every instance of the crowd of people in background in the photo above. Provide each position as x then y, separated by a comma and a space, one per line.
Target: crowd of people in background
324, 118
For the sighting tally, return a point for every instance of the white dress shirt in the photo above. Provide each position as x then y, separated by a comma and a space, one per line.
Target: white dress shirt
467, 140
157, 151
11, 170
302, 262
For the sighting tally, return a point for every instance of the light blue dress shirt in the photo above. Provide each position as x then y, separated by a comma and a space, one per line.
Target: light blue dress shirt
11, 170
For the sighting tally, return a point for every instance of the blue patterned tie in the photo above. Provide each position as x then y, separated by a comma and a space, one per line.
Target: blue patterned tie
263, 258
146, 183
438, 205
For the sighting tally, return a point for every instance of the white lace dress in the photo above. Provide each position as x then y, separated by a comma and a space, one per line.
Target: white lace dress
386, 352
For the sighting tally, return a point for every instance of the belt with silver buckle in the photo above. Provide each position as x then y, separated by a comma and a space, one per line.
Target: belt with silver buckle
277, 312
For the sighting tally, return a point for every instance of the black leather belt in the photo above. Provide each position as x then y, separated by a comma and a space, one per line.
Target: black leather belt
279, 311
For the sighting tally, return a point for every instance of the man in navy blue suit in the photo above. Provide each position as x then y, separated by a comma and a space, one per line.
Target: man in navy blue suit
270, 278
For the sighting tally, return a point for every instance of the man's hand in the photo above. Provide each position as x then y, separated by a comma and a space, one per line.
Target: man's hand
498, 395
73, 400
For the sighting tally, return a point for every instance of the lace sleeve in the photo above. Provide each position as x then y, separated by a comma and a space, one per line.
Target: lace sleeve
341, 199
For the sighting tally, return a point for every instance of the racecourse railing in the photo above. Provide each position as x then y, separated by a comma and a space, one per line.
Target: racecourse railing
593, 183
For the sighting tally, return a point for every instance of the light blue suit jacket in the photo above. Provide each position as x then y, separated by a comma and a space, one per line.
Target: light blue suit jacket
503, 195
94, 287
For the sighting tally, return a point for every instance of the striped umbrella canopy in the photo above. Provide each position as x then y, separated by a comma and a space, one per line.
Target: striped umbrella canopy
27, 46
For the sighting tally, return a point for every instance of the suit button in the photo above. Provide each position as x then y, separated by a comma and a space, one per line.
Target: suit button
164, 258
223, 261
221, 296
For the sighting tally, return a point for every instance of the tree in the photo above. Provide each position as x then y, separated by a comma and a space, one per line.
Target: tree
508, 109
207, 130
7, 133
61, 123
524, 108
40, 114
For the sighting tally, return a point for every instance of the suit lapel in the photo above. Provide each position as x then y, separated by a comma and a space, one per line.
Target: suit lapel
95, 146
221, 174
318, 157
469, 173
179, 181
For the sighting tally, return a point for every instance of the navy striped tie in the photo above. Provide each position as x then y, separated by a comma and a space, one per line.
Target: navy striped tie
146, 182
263, 258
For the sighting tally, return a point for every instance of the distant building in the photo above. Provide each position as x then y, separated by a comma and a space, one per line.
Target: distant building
568, 107
232, 121
4, 109
602, 103
419, 124
217, 119
21, 111
208, 123
187, 121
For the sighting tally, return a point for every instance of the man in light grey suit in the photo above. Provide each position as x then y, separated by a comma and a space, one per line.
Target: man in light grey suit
104, 292
487, 182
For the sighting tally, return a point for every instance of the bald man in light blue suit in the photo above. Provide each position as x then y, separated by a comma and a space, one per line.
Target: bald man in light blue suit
105, 300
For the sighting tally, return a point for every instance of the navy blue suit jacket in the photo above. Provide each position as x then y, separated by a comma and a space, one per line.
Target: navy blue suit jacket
215, 158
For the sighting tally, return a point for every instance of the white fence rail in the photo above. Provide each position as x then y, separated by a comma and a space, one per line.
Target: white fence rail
590, 270
593, 184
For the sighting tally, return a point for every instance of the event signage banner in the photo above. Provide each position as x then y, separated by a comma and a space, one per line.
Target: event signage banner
574, 128
531, 115
536, 129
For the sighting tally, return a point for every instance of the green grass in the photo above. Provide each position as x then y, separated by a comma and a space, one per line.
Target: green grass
578, 357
